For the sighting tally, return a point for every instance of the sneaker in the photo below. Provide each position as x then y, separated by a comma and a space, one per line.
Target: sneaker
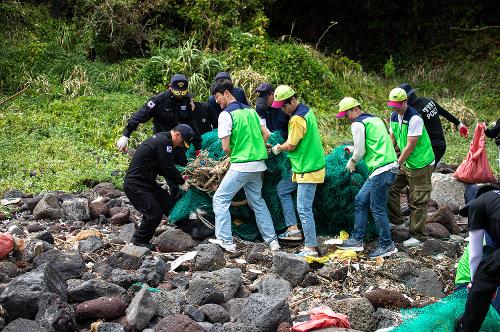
351, 244
230, 247
399, 227
383, 251
295, 235
411, 242
274, 245
304, 253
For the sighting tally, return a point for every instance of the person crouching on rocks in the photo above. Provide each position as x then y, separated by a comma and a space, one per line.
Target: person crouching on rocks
157, 155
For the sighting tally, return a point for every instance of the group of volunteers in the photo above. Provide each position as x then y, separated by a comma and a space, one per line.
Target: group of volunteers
399, 157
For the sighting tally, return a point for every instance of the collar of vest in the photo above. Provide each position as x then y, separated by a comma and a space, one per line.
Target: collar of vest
235, 105
301, 110
363, 117
410, 112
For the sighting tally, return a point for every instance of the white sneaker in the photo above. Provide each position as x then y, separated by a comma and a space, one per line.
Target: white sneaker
230, 247
274, 245
411, 242
399, 227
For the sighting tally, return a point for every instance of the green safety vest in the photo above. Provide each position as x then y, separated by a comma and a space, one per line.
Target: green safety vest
247, 143
422, 155
308, 156
378, 144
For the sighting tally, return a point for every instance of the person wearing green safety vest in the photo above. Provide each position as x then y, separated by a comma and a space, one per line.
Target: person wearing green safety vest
305, 152
244, 141
373, 145
416, 163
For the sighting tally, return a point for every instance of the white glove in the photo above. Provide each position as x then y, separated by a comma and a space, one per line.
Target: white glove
276, 150
349, 149
122, 143
351, 165
184, 186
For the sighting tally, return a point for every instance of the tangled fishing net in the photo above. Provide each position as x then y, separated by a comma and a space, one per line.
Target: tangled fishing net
333, 204
440, 316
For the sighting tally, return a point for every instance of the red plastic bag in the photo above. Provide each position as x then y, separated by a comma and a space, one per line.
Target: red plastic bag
6, 244
475, 167
322, 317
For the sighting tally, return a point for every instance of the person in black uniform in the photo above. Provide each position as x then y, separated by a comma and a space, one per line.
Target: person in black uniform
275, 118
202, 116
214, 108
157, 155
484, 219
430, 111
168, 109
494, 132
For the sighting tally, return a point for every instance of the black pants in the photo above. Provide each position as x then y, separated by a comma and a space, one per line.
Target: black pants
486, 281
439, 148
153, 204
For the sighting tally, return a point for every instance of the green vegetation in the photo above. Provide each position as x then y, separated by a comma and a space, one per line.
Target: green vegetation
84, 82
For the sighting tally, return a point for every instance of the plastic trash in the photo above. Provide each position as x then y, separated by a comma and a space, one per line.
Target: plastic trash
322, 317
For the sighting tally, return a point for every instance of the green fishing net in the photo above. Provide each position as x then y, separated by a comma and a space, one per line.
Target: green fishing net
440, 316
333, 203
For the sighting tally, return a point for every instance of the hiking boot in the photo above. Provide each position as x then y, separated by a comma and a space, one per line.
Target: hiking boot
351, 244
230, 247
145, 244
383, 251
274, 245
293, 235
411, 242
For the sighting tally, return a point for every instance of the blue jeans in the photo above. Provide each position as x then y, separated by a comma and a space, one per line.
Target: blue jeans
305, 198
373, 195
251, 182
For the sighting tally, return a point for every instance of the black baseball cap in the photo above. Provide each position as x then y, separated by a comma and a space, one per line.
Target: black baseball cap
221, 75
186, 132
264, 90
472, 192
407, 87
179, 85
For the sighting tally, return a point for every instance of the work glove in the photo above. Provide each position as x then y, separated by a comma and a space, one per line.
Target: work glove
276, 149
349, 149
463, 130
184, 186
197, 153
122, 143
351, 165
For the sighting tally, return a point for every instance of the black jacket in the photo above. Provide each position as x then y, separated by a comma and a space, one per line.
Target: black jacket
215, 109
203, 117
430, 112
494, 132
167, 112
155, 156
275, 118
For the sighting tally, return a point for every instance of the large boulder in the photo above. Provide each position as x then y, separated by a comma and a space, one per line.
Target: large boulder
264, 313
433, 247
437, 231
226, 279
20, 297
274, 287
48, 207
387, 298
24, 325
290, 267
68, 264
92, 289
141, 309
203, 292
174, 240
169, 302
447, 190
209, 257
55, 314
76, 209
178, 323
445, 217
359, 310
108, 308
